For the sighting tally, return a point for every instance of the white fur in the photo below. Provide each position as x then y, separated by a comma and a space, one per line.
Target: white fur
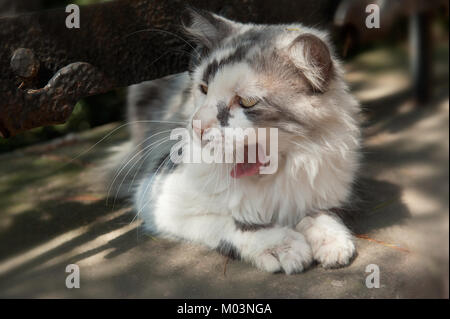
331, 242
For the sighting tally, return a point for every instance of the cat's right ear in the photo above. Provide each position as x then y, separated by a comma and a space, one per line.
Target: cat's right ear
312, 56
207, 29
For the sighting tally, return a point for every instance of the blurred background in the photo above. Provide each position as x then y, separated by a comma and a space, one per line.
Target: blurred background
54, 211
418, 42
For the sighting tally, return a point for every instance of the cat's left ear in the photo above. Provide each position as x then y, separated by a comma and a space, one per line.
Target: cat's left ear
313, 58
208, 29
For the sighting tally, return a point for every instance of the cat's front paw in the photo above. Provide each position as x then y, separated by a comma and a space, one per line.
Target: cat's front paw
334, 254
290, 253
331, 242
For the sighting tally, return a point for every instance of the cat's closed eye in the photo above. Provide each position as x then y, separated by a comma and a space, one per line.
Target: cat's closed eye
248, 102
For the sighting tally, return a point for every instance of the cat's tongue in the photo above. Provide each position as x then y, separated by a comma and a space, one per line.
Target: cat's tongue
246, 169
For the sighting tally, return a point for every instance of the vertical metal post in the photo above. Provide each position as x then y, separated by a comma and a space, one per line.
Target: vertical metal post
420, 46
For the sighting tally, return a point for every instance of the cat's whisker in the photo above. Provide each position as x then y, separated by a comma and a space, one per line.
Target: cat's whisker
144, 141
132, 157
139, 168
147, 151
162, 141
216, 180
149, 185
207, 182
118, 128
226, 179
167, 32
185, 52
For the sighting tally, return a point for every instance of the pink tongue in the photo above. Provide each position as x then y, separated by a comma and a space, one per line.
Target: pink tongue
246, 169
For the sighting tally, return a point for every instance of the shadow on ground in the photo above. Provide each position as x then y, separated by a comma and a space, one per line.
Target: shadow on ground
53, 214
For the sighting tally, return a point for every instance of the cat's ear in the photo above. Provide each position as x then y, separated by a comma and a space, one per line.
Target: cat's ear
207, 28
312, 56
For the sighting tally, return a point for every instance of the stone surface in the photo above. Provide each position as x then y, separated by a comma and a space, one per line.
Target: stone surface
53, 213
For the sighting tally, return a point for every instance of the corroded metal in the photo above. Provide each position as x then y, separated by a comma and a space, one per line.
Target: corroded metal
53, 103
119, 43
24, 63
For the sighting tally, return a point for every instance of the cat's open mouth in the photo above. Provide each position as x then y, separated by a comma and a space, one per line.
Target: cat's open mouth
250, 167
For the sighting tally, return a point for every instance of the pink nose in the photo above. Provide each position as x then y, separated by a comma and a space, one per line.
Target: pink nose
200, 129
197, 130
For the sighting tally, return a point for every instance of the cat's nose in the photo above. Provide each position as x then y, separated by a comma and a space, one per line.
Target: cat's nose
198, 130
200, 127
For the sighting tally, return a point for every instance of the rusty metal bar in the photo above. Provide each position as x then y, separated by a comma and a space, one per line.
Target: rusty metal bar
46, 68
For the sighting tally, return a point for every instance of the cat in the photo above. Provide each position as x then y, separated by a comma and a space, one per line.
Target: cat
251, 76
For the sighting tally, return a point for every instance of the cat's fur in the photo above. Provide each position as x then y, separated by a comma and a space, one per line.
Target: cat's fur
278, 222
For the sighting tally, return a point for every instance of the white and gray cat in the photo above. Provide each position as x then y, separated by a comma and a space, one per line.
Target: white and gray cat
250, 76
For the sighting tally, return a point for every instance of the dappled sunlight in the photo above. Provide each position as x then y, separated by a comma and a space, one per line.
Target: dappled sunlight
101, 241
382, 86
17, 261
387, 77
420, 203
402, 201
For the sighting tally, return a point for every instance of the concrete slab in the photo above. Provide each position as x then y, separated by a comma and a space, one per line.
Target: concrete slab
52, 213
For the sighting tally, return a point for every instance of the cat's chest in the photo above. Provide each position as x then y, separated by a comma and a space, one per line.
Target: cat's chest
269, 202
260, 201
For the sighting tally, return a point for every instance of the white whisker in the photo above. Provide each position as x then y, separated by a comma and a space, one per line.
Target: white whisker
164, 31
161, 141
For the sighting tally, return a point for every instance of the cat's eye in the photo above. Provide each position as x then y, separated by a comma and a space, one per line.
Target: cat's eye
248, 101
204, 89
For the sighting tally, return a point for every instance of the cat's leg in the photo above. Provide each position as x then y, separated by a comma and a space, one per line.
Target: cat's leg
270, 248
331, 241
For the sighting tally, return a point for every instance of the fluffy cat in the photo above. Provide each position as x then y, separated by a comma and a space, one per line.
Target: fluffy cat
250, 76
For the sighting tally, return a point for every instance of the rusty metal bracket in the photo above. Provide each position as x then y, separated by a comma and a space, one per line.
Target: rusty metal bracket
46, 67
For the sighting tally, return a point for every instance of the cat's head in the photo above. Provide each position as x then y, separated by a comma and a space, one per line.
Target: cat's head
250, 76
